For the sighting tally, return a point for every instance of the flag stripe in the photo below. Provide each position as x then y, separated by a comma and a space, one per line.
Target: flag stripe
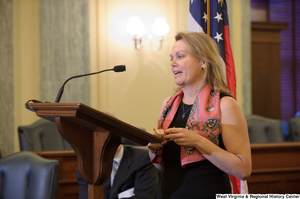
193, 25
230, 69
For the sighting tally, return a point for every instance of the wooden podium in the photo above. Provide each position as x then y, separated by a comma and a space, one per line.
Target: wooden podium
94, 136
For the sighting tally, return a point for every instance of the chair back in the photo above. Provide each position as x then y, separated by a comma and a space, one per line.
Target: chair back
42, 135
264, 130
27, 175
294, 124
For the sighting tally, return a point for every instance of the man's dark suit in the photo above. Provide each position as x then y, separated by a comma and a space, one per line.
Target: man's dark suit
135, 171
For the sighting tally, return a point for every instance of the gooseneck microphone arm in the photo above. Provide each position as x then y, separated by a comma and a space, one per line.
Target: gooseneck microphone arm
118, 68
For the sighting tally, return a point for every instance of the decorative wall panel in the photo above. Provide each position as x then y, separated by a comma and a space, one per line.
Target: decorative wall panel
64, 49
6, 79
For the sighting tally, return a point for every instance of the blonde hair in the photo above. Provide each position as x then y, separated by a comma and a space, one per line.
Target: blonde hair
203, 47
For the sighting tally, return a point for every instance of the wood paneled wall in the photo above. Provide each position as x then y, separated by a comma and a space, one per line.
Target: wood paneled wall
266, 65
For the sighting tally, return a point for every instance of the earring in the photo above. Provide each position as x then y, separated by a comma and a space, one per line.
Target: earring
203, 65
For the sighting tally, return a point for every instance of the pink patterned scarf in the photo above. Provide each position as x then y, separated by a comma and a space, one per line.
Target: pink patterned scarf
204, 119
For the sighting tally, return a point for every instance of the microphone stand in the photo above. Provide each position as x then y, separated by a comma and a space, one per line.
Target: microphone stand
119, 68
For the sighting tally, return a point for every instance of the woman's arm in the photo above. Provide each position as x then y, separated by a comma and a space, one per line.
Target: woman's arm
236, 159
236, 139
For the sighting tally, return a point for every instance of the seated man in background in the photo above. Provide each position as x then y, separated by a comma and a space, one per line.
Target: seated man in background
135, 177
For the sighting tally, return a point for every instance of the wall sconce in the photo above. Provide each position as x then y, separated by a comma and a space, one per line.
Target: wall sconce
136, 28
160, 28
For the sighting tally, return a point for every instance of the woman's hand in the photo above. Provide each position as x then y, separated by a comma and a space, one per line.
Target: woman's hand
183, 137
155, 146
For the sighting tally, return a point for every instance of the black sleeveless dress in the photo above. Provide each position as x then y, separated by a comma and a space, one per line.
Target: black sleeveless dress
199, 180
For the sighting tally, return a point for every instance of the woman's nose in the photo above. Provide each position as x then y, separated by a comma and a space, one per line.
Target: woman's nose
173, 63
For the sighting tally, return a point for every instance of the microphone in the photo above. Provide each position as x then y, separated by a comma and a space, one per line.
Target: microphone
118, 68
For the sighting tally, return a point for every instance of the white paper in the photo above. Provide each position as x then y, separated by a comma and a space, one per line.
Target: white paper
126, 194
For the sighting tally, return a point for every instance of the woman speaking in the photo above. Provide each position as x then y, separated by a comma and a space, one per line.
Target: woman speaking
206, 136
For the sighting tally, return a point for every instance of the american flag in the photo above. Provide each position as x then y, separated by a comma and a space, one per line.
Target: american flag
210, 16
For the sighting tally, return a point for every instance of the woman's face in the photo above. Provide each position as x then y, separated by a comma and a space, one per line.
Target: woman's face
187, 70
